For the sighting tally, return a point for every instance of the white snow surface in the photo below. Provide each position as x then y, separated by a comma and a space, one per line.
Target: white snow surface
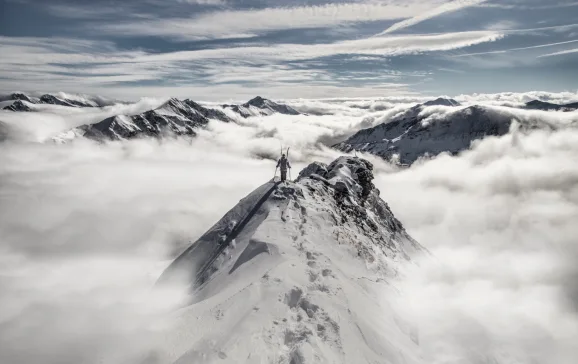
303, 280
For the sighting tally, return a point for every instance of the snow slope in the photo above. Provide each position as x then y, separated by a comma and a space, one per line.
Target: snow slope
259, 106
296, 273
174, 117
423, 131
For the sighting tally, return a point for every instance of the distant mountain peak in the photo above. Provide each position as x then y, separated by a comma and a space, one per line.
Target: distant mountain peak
257, 101
260, 106
20, 96
18, 105
440, 101
549, 106
413, 135
173, 101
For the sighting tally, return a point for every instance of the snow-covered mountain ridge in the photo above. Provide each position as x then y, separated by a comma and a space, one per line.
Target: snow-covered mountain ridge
175, 117
294, 274
426, 130
61, 99
259, 106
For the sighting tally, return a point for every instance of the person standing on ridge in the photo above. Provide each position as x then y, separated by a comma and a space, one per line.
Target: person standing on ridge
284, 164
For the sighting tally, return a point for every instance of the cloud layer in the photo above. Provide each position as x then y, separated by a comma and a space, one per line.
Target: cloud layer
86, 229
250, 23
500, 223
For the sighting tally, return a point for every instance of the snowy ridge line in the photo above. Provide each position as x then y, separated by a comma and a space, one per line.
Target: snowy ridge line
198, 250
200, 279
173, 118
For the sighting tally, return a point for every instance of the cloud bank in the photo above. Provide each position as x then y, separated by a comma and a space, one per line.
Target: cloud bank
500, 221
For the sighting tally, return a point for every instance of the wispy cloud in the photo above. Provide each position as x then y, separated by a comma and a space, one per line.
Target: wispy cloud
503, 25
190, 44
516, 49
567, 51
442, 9
85, 11
538, 5
249, 23
36, 60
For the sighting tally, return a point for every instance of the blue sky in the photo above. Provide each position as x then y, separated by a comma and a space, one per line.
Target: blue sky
228, 49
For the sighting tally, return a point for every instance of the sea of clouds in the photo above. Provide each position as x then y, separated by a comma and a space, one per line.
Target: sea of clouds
86, 228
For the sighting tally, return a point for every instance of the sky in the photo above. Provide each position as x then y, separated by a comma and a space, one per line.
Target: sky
232, 50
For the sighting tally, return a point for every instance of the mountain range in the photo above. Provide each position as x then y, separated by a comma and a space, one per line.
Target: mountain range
413, 133
174, 117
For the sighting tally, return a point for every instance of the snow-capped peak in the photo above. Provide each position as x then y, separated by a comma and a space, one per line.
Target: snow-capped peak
426, 132
259, 106
440, 101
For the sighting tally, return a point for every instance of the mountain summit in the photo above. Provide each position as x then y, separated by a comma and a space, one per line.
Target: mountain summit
259, 106
293, 273
440, 101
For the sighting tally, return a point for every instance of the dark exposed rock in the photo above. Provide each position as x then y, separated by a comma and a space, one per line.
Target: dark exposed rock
317, 168
17, 106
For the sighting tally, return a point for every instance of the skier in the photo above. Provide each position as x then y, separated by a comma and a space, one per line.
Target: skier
284, 164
